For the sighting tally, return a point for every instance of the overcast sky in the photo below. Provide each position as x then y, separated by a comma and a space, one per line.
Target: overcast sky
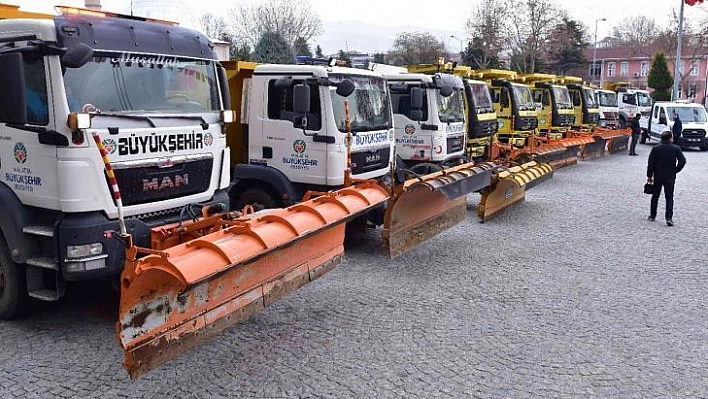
450, 15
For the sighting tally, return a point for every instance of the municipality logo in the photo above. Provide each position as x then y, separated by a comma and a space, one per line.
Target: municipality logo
208, 139
299, 146
110, 145
20, 153
409, 129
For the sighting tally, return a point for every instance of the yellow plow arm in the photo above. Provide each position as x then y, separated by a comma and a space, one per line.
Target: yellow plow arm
510, 185
422, 207
174, 298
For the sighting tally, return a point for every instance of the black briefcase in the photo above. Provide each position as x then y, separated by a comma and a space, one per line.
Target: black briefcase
648, 188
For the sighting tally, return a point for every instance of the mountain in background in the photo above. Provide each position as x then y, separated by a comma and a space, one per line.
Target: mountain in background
369, 38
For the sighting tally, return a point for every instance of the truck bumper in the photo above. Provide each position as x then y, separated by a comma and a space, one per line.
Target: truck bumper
692, 142
92, 228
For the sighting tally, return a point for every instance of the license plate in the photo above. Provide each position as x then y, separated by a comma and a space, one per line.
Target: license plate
372, 158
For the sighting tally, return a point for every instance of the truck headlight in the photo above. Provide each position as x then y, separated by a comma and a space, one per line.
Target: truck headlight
83, 251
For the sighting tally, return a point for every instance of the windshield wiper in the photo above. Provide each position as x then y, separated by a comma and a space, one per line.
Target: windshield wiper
204, 124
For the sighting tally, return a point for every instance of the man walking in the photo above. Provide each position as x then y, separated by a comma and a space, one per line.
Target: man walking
636, 131
665, 161
677, 129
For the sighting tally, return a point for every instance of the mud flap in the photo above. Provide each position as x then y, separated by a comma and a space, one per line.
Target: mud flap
176, 298
510, 186
423, 207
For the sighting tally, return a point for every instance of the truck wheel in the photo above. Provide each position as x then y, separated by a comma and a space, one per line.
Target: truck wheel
13, 286
623, 123
703, 148
425, 168
258, 198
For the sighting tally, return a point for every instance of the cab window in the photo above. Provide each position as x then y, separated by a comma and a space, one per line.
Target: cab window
401, 101
280, 104
36, 90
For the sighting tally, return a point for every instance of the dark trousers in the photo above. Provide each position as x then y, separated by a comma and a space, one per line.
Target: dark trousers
633, 144
668, 194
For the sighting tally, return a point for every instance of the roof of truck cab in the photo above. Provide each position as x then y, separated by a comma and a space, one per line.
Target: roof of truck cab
43, 28
319, 71
413, 77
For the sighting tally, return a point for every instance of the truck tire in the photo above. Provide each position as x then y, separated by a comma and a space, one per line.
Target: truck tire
425, 168
258, 198
13, 286
703, 148
622, 123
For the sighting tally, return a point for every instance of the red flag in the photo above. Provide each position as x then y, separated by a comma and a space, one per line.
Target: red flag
693, 2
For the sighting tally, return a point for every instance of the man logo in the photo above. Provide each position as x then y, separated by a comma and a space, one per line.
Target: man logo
299, 146
156, 184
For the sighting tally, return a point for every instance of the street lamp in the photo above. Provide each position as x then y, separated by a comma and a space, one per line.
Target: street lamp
594, 51
459, 40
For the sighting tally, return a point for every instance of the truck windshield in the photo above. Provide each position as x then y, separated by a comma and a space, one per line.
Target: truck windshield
689, 114
607, 99
644, 99
452, 108
562, 97
589, 98
369, 105
523, 97
482, 99
147, 83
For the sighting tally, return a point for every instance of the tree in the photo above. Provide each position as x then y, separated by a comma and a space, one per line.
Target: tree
273, 48
485, 28
637, 32
528, 31
290, 19
241, 52
379, 58
214, 27
411, 48
318, 52
660, 78
301, 47
342, 56
566, 45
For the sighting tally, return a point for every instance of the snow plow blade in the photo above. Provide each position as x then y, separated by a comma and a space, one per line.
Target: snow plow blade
509, 186
557, 154
422, 207
595, 149
617, 139
177, 297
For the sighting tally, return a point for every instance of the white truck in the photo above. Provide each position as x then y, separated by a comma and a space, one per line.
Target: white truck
632, 102
293, 137
155, 94
694, 121
609, 109
429, 119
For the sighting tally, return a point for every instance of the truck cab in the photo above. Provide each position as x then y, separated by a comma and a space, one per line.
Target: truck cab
556, 113
587, 111
516, 111
432, 129
293, 135
609, 110
693, 117
481, 117
632, 102
157, 105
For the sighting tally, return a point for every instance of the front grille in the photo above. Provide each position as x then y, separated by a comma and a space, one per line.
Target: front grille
526, 123
564, 120
593, 118
455, 144
368, 161
486, 128
144, 184
693, 133
646, 113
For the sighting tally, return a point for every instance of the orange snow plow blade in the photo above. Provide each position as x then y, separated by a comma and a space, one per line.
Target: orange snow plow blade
509, 187
422, 207
175, 298
556, 154
617, 139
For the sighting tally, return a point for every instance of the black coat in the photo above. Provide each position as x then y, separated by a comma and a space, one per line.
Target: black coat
677, 129
665, 161
634, 125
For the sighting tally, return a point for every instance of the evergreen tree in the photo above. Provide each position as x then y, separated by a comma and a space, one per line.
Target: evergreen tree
566, 46
379, 58
272, 48
301, 47
241, 52
477, 56
342, 56
660, 78
318, 52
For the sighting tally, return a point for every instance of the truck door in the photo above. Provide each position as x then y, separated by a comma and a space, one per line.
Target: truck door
292, 149
662, 124
28, 167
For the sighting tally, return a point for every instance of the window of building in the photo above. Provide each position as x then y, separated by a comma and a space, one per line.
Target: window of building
692, 90
624, 68
280, 104
611, 66
694, 68
644, 68
596, 69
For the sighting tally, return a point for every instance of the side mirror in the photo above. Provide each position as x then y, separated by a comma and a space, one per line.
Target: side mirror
13, 99
77, 56
416, 115
301, 98
416, 98
662, 120
345, 88
446, 91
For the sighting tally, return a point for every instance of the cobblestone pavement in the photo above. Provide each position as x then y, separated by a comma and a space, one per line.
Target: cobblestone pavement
569, 293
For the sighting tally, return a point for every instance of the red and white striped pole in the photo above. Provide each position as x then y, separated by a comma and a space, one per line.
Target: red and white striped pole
112, 180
